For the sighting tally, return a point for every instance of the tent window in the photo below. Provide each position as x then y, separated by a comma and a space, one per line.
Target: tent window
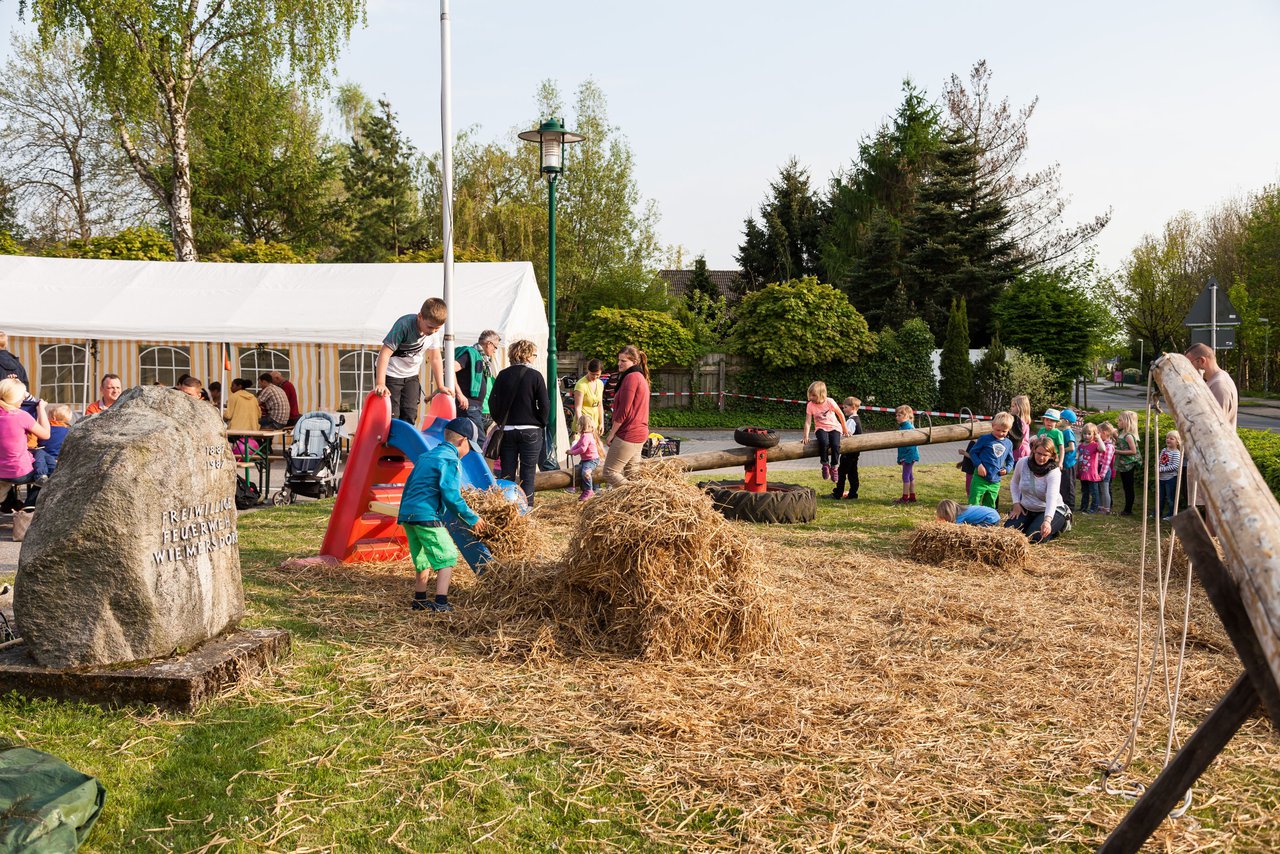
163, 365
260, 360
355, 377
63, 373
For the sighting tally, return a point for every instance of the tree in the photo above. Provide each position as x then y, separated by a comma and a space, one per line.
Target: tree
861, 239
143, 58
1260, 268
62, 160
991, 387
261, 167
700, 281
1158, 284
785, 244
800, 322
1035, 200
382, 200
133, 244
608, 330
956, 243
1045, 315
955, 389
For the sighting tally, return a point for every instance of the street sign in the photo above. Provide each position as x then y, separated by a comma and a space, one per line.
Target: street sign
1201, 313
1226, 337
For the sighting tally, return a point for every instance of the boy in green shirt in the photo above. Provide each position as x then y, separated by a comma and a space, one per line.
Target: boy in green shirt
1050, 421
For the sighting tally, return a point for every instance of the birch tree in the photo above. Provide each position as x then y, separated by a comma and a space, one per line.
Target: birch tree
143, 58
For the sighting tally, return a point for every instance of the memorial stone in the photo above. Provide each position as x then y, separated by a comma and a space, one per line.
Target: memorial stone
133, 551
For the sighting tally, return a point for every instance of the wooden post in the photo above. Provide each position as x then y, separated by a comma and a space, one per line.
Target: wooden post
1240, 505
797, 450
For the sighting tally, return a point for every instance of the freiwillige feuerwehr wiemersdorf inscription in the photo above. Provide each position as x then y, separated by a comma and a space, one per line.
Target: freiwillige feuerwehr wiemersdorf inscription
196, 530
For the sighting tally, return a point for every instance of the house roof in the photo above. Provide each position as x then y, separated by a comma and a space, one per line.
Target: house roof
726, 281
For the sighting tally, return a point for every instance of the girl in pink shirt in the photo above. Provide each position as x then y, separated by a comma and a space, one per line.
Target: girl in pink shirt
16, 464
1090, 466
587, 449
828, 426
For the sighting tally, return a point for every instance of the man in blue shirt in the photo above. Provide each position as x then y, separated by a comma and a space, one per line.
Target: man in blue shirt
992, 456
432, 491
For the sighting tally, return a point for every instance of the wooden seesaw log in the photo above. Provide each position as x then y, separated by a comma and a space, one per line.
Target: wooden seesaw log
798, 450
1244, 587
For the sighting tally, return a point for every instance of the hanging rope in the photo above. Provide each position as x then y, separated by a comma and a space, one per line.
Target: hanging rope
1159, 651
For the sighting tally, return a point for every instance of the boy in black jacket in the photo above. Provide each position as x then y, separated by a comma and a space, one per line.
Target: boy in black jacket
849, 462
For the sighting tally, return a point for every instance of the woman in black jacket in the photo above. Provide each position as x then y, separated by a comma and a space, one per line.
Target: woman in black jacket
519, 404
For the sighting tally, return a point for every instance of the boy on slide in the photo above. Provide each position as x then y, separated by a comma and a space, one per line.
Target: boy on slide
433, 489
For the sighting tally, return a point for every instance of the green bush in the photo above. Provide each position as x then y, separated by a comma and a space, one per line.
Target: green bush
9, 246
798, 323
258, 252
899, 371
1132, 376
142, 243
661, 337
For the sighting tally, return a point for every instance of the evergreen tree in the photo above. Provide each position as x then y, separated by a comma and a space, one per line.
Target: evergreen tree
700, 282
956, 244
784, 245
861, 239
991, 378
382, 203
956, 387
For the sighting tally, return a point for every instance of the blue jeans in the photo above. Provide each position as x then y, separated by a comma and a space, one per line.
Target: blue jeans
585, 468
1167, 489
1104, 493
43, 461
828, 446
1090, 499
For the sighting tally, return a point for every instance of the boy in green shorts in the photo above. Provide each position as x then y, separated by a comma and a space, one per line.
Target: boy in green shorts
434, 489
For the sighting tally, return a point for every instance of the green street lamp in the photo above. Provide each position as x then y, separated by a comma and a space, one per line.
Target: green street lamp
552, 138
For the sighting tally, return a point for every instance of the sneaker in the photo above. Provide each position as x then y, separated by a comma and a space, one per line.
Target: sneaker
826, 472
1166, 518
442, 607
431, 605
586, 495
836, 494
903, 500
42, 480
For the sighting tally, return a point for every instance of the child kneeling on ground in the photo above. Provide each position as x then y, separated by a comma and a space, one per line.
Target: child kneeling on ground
433, 489
974, 514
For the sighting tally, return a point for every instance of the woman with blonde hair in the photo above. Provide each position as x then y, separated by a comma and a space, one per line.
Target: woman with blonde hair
630, 414
519, 404
16, 463
1038, 510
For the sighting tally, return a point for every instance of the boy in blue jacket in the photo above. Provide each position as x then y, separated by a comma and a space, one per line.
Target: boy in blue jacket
434, 489
1067, 488
992, 457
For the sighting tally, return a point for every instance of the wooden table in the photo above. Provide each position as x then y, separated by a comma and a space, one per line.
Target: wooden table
259, 458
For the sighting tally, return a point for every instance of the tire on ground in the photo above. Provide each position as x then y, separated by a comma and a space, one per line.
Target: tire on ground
748, 438
782, 504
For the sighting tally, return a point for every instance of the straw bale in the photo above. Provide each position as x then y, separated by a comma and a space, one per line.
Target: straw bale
947, 544
651, 571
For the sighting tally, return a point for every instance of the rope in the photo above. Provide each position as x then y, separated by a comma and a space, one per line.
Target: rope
1159, 650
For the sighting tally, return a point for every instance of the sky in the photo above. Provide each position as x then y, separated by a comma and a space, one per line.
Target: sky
1148, 108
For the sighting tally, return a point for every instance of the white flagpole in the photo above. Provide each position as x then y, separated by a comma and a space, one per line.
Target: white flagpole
446, 188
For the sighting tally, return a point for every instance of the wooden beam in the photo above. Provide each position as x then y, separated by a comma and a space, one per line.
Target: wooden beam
1244, 513
797, 450
1225, 597
1194, 757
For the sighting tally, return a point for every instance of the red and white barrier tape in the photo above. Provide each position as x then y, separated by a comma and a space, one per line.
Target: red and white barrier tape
789, 400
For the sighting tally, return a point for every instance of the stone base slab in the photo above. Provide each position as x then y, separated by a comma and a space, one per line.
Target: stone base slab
180, 682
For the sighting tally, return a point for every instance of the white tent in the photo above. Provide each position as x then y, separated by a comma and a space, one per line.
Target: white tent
81, 300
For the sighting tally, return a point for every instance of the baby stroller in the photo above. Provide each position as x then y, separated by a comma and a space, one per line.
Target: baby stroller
311, 462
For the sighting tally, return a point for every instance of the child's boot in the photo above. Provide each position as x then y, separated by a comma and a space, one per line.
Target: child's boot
586, 495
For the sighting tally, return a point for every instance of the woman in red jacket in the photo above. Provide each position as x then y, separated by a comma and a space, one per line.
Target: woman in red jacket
630, 414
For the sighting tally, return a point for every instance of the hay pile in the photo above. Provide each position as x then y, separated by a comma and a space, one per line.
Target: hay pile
651, 571
947, 544
509, 535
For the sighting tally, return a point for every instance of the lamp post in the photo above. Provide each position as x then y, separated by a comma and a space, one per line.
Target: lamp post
551, 138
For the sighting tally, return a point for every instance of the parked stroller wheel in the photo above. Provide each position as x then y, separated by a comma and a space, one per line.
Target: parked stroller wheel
282, 498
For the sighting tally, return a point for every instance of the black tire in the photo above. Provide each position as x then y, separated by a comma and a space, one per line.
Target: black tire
754, 437
782, 504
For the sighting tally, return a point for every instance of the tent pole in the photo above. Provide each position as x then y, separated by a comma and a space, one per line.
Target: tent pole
446, 189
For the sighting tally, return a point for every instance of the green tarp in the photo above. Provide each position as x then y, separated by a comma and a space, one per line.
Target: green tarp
46, 806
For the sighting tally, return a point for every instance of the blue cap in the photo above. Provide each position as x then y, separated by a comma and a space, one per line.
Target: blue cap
1068, 416
464, 427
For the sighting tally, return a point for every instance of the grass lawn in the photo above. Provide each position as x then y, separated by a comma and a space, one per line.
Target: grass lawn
912, 707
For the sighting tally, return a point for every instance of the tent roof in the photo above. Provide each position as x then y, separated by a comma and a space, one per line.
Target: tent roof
315, 303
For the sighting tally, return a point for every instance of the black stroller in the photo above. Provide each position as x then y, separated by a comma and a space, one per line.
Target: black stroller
311, 462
